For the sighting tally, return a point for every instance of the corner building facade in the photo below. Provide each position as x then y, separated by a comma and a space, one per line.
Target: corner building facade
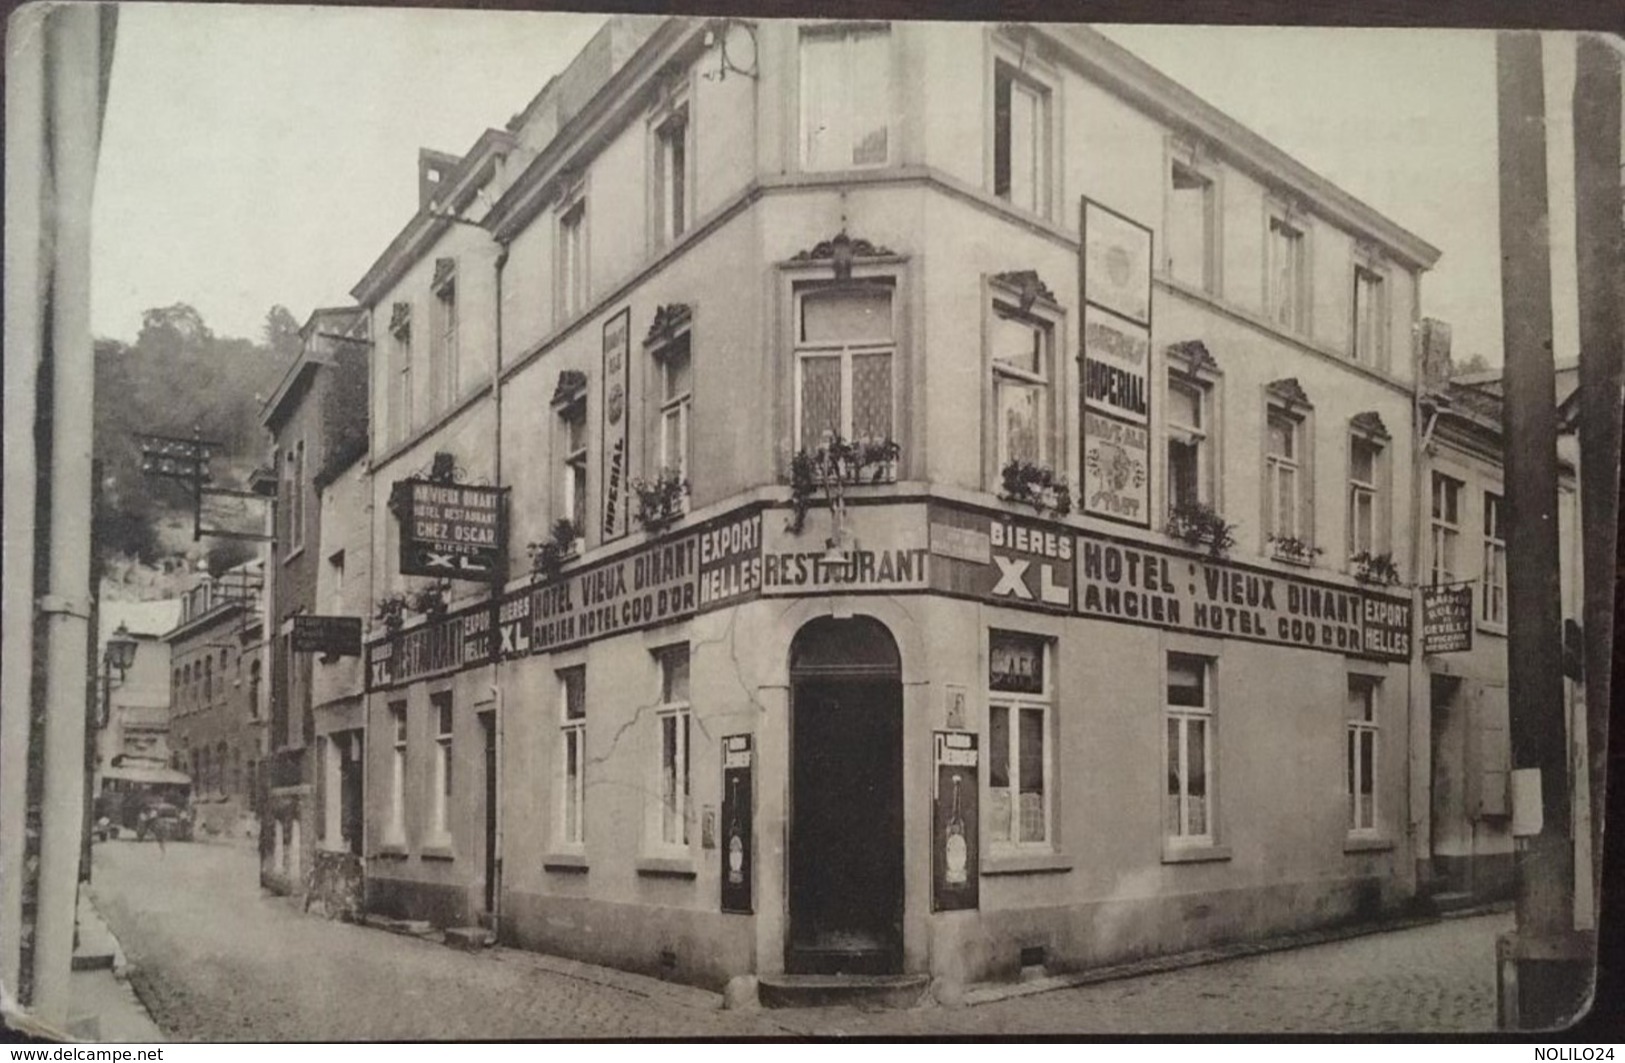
933, 721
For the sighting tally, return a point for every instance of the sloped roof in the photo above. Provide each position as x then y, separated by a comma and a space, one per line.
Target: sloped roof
151, 619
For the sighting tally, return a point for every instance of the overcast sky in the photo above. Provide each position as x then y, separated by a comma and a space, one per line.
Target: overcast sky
260, 155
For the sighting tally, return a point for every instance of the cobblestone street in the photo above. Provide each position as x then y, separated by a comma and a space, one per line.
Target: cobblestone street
216, 960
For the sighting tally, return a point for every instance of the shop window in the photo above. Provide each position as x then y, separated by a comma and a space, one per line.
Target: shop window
1446, 529
572, 825
1287, 288
1189, 253
1361, 753
845, 346
440, 706
396, 832
676, 370
1189, 802
669, 178
1494, 609
845, 97
672, 718
1365, 459
1023, 398
1020, 697
1021, 140
1188, 422
1370, 317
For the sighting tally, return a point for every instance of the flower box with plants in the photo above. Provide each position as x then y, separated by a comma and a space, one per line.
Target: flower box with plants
661, 501
1036, 485
433, 600
548, 556
392, 612
835, 465
1293, 549
1376, 569
1200, 525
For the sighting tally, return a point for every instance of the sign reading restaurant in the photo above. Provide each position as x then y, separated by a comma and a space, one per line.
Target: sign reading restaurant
453, 531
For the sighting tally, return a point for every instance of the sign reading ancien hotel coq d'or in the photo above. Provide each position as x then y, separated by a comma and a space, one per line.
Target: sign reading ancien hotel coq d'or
1150, 585
453, 531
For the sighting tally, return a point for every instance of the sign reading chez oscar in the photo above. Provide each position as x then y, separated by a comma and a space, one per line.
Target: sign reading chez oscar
1149, 585
453, 531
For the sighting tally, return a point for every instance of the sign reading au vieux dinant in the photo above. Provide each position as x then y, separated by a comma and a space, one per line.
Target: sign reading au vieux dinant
453, 531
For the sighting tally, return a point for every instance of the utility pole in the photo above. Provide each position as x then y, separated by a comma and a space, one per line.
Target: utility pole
1599, 229
1542, 968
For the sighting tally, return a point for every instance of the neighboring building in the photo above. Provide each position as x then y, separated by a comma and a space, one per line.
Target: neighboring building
134, 707
216, 728
932, 731
1465, 533
318, 425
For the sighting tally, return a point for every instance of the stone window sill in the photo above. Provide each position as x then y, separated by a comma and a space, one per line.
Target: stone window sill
438, 852
391, 851
1195, 854
573, 863
1027, 864
666, 866
1368, 845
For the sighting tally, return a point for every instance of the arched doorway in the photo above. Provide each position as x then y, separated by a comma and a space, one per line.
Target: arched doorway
846, 799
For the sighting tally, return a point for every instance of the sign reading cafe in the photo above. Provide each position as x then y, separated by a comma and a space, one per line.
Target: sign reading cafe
449, 530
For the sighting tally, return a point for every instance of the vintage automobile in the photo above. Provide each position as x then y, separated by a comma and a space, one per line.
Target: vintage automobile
126, 790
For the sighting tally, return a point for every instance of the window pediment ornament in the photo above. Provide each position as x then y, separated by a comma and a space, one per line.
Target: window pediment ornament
1369, 423
400, 321
445, 275
1194, 355
841, 250
1028, 285
572, 386
1288, 391
670, 320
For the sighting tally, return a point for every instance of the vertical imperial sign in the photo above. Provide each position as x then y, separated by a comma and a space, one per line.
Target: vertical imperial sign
736, 824
1115, 404
956, 872
616, 410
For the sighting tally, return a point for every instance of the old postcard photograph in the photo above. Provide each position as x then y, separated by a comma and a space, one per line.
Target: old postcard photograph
561, 526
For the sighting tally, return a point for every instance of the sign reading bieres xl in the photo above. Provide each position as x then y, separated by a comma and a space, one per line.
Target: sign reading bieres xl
449, 530
617, 396
1149, 585
1001, 558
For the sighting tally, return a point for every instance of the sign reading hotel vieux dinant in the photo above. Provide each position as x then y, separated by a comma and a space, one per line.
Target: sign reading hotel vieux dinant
1115, 404
449, 530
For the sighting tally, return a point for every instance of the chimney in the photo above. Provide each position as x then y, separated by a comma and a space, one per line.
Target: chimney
1433, 354
434, 173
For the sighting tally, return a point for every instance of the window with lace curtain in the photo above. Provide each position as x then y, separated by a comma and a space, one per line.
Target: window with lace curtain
845, 347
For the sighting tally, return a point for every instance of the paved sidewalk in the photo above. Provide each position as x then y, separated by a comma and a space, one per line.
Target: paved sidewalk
103, 1006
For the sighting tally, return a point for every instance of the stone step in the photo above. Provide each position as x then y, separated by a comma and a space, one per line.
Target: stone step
1454, 901
821, 990
469, 938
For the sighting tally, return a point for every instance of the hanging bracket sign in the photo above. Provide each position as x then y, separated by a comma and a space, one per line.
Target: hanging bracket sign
453, 531
1447, 619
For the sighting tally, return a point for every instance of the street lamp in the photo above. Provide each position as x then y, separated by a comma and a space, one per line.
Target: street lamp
120, 654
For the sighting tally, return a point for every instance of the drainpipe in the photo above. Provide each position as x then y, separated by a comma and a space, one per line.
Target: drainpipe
498, 586
1419, 716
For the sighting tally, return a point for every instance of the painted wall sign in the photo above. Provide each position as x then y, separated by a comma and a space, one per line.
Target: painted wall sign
1003, 559
1116, 470
1149, 585
1116, 365
616, 417
447, 645
730, 560
1387, 627
956, 873
1447, 619
886, 548
1116, 262
737, 806
339, 636
452, 531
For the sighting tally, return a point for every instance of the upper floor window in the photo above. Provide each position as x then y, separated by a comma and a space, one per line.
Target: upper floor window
445, 370
1365, 456
572, 256
1446, 528
670, 176
1370, 317
844, 352
845, 97
1286, 285
676, 397
1021, 140
400, 359
1283, 471
1190, 448
1495, 560
294, 494
1022, 396
573, 474
1190, 242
